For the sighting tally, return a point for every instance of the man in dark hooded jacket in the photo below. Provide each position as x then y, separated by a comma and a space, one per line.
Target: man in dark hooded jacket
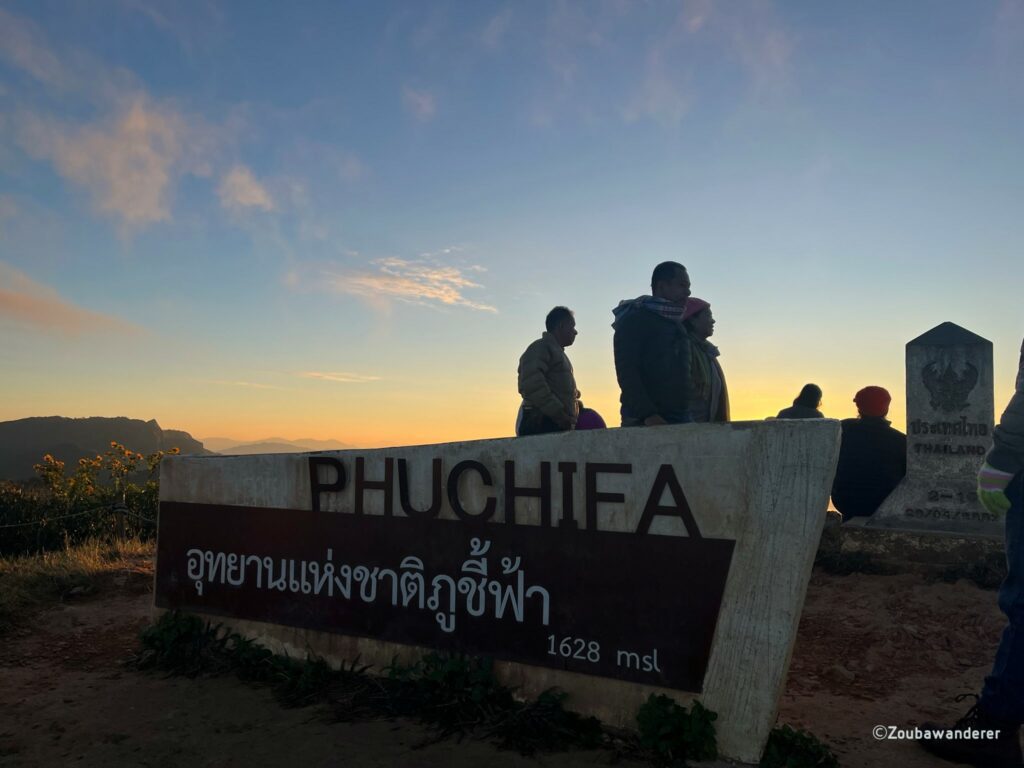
652, 351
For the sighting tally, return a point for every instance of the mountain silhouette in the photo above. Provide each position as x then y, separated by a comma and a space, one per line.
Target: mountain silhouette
23, 442
230, 446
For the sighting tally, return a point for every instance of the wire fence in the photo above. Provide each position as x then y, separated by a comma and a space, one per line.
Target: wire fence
34, 521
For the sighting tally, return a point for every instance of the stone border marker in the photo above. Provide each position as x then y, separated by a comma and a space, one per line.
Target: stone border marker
950, 418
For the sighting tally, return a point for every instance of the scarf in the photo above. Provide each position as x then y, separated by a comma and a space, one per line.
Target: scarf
661, 307
702, 354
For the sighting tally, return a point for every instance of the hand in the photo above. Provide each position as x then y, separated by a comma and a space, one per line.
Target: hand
992, 484
654, 421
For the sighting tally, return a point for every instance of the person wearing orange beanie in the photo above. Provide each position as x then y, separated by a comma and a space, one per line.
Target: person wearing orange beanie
872, 456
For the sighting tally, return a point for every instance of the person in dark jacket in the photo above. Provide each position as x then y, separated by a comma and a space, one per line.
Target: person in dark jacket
805, 406
709, 396
652, 351
1000, 708
872, 456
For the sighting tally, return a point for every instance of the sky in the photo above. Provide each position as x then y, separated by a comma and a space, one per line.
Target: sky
348, 220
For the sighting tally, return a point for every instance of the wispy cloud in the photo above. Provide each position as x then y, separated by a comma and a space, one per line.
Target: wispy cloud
665, 91
340, 377
1008, 38
197, 25
492, 37
762, 45
572, 29
753, 40
39, 307
127, 150
247, 384
422, 281
74, 74
239, 189
9, 209
23, 45
419, 103
127, 164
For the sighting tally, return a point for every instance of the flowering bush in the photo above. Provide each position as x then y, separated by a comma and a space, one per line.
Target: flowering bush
110, 495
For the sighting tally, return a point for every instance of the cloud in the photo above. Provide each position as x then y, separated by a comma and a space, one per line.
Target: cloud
350, 167
423, 281
665, 91
754, 41
74, 73
239, 189
22, 45
493, 34
340, 376
131, 154
9, 209
39, 307
248, 384
419, 103
127, 164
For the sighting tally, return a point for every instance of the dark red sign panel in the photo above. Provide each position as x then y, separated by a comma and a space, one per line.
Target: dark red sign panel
637, 607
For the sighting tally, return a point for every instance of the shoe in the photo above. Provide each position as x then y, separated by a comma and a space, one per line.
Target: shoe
1003, 751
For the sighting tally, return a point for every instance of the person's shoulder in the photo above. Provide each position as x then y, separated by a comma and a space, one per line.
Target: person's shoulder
536, 347
853, 423
634, 317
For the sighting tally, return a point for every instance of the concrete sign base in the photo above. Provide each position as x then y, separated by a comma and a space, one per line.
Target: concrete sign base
611, 564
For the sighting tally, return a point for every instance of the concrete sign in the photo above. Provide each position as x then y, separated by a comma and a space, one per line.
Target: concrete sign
950, 418
611, 564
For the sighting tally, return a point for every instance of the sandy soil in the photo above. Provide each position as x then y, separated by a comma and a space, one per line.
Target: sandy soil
890, 650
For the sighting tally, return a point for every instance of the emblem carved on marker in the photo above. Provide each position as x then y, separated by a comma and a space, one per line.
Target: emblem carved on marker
949, 389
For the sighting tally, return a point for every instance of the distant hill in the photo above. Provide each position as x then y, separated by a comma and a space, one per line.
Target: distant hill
231, 446
23, 442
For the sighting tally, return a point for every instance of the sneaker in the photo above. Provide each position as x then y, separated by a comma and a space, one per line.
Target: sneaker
1000, 752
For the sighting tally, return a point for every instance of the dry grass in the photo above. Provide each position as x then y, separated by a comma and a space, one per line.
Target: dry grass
29, 583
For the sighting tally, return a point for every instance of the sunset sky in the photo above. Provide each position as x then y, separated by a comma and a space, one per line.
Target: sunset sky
347, 220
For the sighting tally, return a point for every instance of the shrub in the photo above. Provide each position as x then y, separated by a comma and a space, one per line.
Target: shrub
791, 748
674, 734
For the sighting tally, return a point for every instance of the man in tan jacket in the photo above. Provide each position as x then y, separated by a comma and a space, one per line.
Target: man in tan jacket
546, 381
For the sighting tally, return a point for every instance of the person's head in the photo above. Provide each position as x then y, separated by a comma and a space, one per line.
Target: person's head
697, 317
873, 401
810, 396
669, 281
562, 325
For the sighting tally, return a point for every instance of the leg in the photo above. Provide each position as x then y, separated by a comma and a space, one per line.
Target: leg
1003, 694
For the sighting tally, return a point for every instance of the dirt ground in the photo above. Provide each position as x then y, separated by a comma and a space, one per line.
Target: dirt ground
872, 650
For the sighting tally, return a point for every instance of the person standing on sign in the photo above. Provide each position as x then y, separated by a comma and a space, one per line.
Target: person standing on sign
805, 406
652, 351
551, 402
1000, 708
872, 456
709, 398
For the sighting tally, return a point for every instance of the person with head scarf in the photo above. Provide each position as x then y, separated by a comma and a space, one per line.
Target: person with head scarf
805, 406
709, 398
872, 456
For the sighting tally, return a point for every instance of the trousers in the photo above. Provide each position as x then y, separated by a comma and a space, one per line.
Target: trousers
1003, 693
